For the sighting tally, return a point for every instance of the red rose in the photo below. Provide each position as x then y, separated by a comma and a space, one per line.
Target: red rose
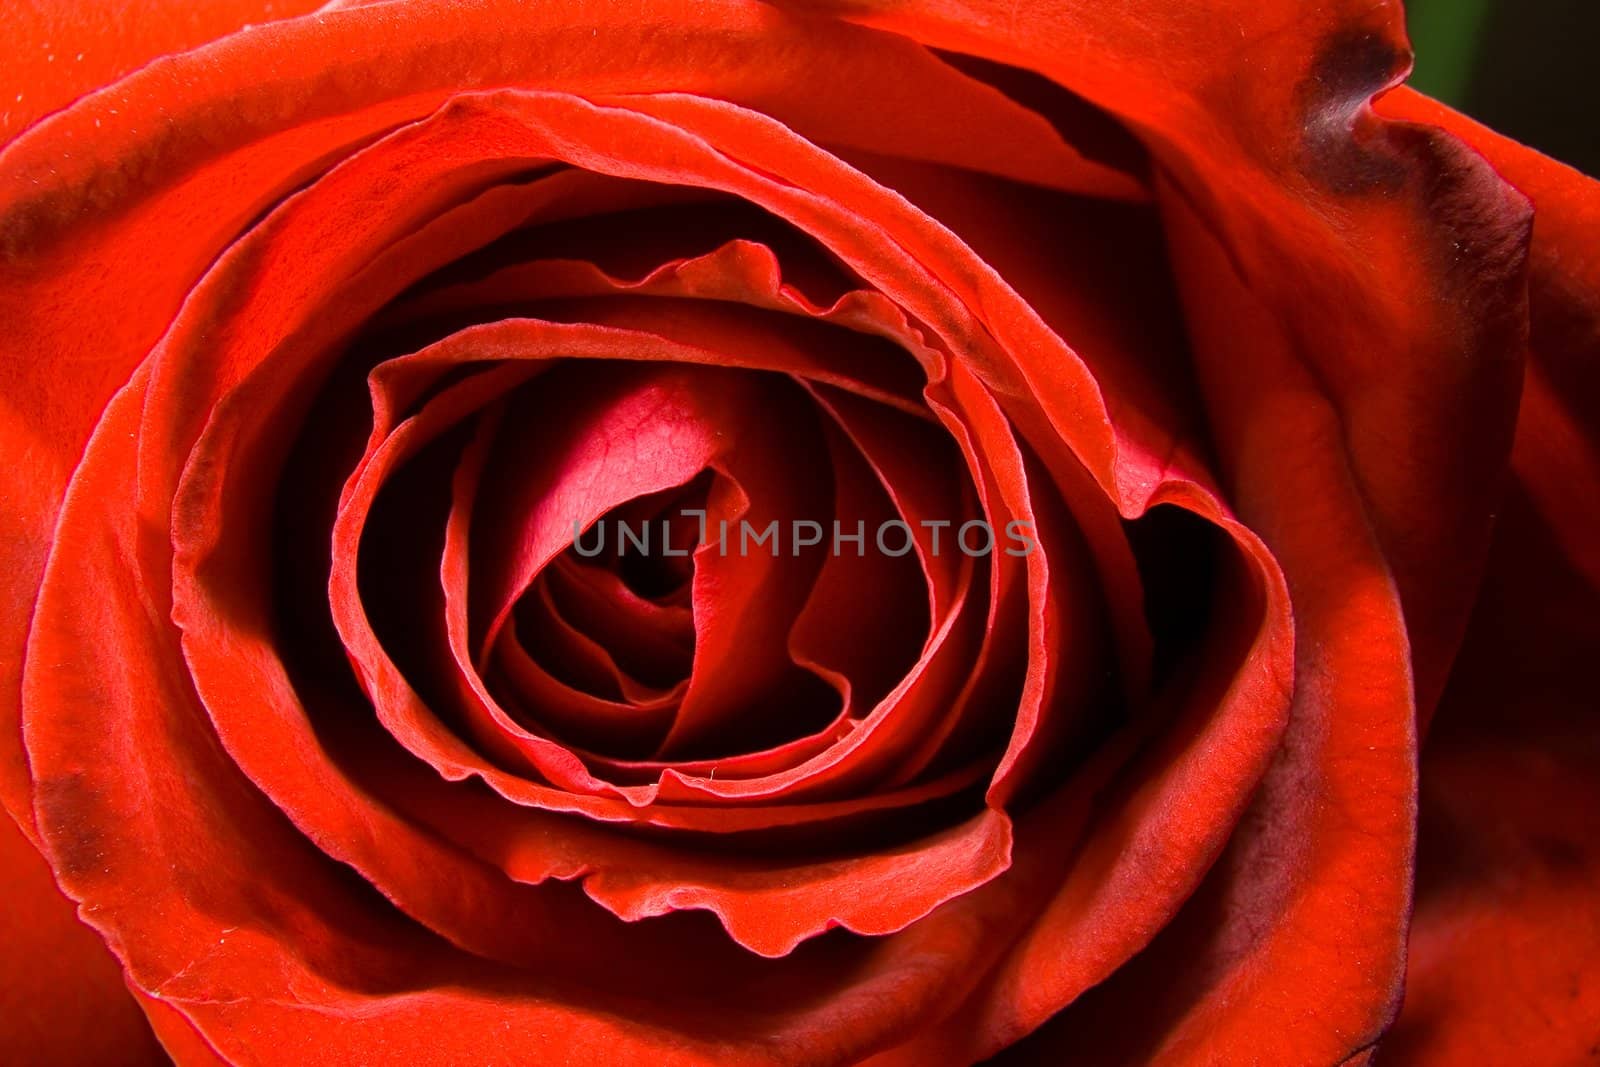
1257, 422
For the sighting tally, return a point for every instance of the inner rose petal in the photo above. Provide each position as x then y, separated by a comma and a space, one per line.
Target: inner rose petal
576, 710
952, 330
650, 642
739, 596
669, 779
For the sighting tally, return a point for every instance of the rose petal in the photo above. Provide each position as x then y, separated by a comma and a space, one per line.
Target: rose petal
69, 1003
1504, 938
1506, 856
60, 51
1090, 893
192, 194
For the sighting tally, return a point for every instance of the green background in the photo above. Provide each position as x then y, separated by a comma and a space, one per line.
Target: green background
1525, 67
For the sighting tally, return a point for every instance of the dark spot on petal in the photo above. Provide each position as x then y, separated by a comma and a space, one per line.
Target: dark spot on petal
65, 807
1349, 69
1481, 228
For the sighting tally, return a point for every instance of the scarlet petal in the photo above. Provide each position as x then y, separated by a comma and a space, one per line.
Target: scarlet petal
327, 798
178, 1035
643, 639
1505, 938
867, 617
1507, 859
1557, 447
60, 50
223, 950
1343, 394
603, 440
62, 994
1340, 787
772, 911
1165, 815
79, 224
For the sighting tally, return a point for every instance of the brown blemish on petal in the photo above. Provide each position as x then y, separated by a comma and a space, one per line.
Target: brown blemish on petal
64, 806
1340, 151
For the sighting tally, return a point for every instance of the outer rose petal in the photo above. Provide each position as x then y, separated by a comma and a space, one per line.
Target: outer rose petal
1335, 416
174, 157
62, 998
178, 1036
57, 50
1280, 156
1505, 944
1557, 448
